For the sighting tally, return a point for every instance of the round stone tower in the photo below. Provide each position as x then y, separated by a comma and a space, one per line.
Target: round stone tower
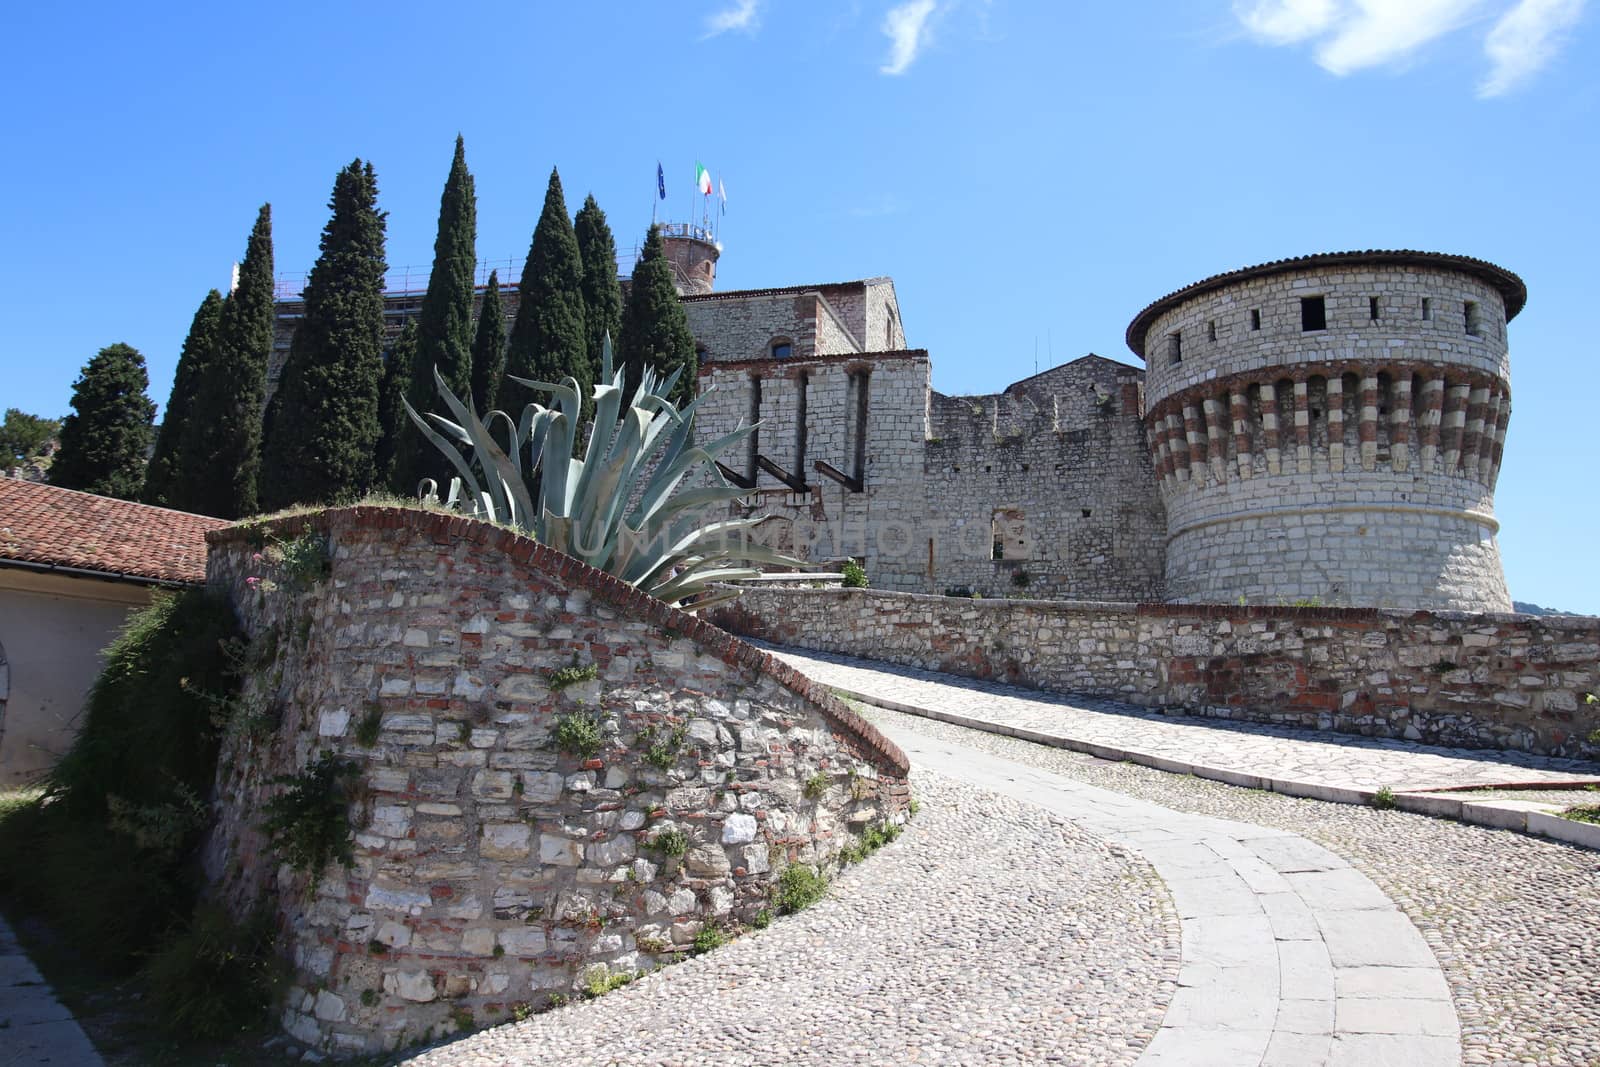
693, 254
1328, 429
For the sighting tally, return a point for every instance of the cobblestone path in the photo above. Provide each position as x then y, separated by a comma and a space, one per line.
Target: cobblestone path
1325, 763
992, 932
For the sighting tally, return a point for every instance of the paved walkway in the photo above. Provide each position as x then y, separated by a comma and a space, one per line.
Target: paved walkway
1314, 763
34, 1027
1291, 957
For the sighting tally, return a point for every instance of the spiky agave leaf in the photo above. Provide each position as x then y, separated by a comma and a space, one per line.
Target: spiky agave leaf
580, 506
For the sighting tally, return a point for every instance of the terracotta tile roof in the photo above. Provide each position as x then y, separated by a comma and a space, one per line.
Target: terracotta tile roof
63, 528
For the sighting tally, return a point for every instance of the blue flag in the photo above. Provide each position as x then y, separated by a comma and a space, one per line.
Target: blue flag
661, 181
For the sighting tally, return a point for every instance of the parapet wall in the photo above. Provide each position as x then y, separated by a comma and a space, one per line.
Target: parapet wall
1468, 680
491, 869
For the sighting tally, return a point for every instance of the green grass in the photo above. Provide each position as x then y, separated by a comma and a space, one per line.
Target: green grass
1584, 814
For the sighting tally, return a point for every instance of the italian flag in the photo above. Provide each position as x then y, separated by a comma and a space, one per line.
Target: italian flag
702, 178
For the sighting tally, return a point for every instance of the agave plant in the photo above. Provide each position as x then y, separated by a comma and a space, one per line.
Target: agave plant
662, 543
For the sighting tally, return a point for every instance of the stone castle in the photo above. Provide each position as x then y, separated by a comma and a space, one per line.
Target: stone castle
1326, 429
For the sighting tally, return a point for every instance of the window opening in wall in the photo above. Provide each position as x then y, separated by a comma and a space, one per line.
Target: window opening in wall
1255, 318
1372, 308
801, 384
1470, 311
781, 349
751, 469
1086, 512
861, 380
1427, 308
1009, 528
1211, 331
1175, 347
1313, 313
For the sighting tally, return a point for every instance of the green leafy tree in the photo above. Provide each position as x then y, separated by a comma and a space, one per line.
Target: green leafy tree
23, 436
393, 421
323, 422
602, 293
548, 342
444, 322
221, 456
489, 347
655, 331
103, 440
164, 475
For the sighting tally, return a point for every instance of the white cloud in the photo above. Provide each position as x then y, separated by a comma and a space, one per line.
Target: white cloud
1381, 32
906, 26
1285, 21
1524, 40
1355, 35
743, 16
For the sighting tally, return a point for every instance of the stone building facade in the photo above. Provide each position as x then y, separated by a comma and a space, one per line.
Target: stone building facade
1326, 429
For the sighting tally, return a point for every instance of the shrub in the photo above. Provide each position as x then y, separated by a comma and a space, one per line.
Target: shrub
370, 725
217, 978
799, 887
815, 786
855, 575
308, 825
148, 726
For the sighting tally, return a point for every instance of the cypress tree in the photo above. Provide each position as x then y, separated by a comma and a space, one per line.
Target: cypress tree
444, 322
489, 348
165, 473
394, 423
221, 455
103, 440
323, 422
602, 294
655, 331
547, 339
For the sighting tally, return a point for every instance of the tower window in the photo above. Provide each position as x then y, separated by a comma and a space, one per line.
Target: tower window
781, 349
1255, 318
1372, 308
1313, 313
1427, 308
1211, 331
1470, 311
1175, 347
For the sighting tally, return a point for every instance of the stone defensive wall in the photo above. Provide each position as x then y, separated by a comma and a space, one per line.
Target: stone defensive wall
443, 661
1470, 680
1331, 428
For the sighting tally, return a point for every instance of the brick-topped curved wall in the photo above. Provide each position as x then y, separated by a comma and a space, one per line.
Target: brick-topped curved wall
492, 869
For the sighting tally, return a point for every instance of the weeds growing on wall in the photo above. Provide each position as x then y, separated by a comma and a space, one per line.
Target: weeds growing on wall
578, 735
799, 887
855, 575
308, 824
661, 748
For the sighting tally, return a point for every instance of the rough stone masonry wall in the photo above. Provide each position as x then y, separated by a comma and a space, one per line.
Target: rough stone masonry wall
1060, 456
1471, 680
1351, 465
886, 524
491, 869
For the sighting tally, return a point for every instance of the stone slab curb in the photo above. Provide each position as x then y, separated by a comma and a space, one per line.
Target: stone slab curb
1522, 815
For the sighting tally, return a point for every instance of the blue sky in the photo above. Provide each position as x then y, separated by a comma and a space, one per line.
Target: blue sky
1031, 174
